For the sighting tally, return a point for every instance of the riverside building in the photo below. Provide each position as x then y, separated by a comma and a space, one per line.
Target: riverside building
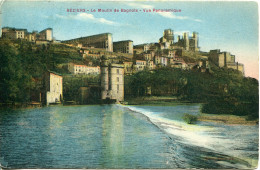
53, 88
112, 81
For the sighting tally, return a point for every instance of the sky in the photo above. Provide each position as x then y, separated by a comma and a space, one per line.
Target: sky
229, 26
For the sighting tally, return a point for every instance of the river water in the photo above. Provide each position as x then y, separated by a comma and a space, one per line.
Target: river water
116, 136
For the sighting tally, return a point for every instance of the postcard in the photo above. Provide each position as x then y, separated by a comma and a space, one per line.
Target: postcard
129, 84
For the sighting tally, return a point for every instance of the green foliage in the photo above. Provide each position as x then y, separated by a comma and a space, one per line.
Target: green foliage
223, 91
72, 83
190, 119
15, 81
23, 64
96, 62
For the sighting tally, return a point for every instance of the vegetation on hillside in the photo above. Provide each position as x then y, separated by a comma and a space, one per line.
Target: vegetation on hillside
223, 91
23, 64
72, 83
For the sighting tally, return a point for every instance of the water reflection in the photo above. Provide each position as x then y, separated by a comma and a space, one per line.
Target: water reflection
131, 141
113, 137
102, 136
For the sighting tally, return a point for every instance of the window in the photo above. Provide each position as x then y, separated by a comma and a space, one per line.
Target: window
117, 71
117, 88
117, 79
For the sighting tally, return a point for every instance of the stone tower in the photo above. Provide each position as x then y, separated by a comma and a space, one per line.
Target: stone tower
169, 35
112, 81
178, 38
195, 38
186, 40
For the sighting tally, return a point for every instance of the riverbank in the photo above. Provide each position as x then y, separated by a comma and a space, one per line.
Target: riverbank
155, 100
173, 101
226, 119
17, 105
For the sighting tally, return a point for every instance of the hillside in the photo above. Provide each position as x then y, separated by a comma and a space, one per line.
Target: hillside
222, 90
23, 65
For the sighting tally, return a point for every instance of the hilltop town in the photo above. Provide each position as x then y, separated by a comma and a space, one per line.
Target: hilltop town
111, 61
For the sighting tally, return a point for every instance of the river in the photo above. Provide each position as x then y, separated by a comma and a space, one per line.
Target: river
116, 136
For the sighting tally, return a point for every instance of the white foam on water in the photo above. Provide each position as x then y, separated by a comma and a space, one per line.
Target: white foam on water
190, 134
208, 137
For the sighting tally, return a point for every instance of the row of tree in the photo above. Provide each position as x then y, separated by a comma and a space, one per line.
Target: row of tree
72, 84
223, 91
